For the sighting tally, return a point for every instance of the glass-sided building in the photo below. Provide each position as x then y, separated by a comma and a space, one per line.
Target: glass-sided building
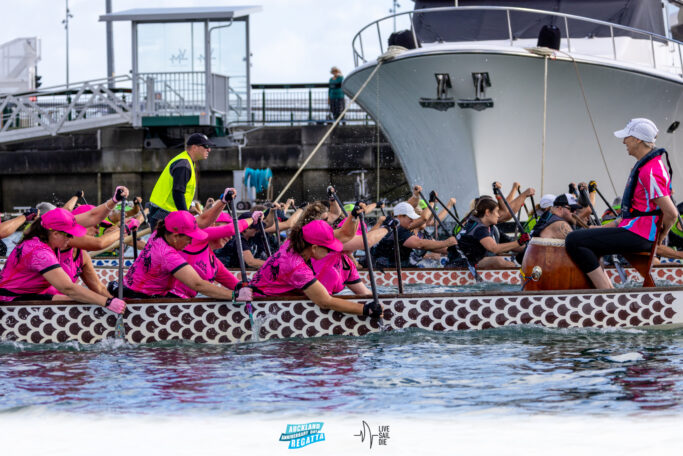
174, 83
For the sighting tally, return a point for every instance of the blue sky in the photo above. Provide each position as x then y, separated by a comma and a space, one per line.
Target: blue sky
292, 40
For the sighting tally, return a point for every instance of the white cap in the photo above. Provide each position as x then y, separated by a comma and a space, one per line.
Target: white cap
643, 129
405, 209
45, 207
546, 201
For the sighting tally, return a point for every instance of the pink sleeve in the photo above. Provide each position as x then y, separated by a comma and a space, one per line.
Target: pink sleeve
217, 232
656, 180
225, 277
301, 277
43, 260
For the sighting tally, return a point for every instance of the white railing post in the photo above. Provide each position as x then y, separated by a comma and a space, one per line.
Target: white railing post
509, 25
566, 29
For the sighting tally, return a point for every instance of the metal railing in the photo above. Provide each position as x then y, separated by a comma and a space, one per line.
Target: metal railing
94, 104
297, 104
662, 53
87, 104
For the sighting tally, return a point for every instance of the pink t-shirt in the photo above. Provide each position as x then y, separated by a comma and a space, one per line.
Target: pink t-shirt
653, 182
72, 267
204, 261
23, 272
283, 272
335, 271
152, 272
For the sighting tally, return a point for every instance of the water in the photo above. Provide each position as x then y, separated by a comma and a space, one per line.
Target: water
531, 387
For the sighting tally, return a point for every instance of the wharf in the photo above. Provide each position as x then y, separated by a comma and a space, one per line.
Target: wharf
97, 160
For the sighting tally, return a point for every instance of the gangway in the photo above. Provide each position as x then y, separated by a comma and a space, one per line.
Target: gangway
169, 85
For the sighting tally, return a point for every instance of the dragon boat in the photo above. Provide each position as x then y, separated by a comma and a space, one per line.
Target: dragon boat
211, 321
670, 273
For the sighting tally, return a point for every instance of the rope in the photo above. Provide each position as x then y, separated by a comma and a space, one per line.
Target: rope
590, 116
377, 125
545, 116
327, 134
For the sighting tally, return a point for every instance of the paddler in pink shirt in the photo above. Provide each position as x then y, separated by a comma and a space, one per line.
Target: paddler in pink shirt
289, 270
154, 272
199, 254
34, 265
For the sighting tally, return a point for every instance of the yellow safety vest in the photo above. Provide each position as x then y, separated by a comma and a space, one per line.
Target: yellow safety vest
162, 195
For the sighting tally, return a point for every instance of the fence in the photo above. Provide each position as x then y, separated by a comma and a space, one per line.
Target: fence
296, 104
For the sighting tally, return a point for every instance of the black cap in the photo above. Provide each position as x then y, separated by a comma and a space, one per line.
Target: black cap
566, 199
199, 139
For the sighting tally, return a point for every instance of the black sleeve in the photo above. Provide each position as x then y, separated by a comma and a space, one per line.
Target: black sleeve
505, 238
481, 232
181, 172
403, 235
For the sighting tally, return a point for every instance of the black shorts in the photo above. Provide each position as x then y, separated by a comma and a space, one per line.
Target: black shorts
586, 247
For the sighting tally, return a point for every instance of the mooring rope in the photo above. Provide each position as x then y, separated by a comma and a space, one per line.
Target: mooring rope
545, 116
327, 134
590, 117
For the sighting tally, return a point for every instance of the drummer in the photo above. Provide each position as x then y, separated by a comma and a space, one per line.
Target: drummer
646, 202
557, 222
154, 272
479, 237
289, 271
33, 267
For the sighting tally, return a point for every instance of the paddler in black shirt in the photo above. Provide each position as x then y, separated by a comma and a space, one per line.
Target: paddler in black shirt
383, 252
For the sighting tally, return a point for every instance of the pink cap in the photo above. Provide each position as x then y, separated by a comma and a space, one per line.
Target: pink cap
62, 220
318, 232
184, 223
224, 218
82, 209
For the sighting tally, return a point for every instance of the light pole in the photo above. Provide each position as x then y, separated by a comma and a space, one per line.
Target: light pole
66, 27
393, 11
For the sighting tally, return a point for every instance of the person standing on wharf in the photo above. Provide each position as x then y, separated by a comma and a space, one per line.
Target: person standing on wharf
175, 188
646, 199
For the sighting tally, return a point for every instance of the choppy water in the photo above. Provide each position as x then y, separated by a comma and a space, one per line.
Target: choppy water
511, 370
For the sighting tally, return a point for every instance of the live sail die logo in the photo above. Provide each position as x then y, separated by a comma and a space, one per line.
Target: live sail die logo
381, 436
301, 435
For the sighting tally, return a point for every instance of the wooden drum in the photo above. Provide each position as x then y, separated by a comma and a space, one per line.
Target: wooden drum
547, 266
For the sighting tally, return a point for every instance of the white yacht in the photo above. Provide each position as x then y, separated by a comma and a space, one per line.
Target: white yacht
477, 93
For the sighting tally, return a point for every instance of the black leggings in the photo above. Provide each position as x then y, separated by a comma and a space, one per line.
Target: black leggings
585, 247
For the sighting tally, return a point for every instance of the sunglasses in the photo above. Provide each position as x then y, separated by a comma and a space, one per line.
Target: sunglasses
65, 234
205, 146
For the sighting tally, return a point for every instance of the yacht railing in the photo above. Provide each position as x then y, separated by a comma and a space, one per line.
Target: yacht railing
649, 49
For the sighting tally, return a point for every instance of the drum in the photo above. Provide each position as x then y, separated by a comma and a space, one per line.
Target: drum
547, 266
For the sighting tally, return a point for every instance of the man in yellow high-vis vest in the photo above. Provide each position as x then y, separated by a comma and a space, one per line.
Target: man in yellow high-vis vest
175, 188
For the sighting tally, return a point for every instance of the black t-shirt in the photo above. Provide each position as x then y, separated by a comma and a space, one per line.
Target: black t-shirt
469, 240
384, 249
675, 241
228, 253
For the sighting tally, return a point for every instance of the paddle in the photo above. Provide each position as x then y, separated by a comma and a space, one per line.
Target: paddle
144, 216
277, 228
437, 220
230, 196
331, 191
120, 331
584, 195
266, 244
134, 233
454, 216
397, 257
371, 272
592, 185
499, 194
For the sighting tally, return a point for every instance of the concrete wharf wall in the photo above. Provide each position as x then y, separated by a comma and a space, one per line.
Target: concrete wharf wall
53, 169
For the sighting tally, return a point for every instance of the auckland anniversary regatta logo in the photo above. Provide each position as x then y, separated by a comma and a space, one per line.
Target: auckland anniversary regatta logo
301, 435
